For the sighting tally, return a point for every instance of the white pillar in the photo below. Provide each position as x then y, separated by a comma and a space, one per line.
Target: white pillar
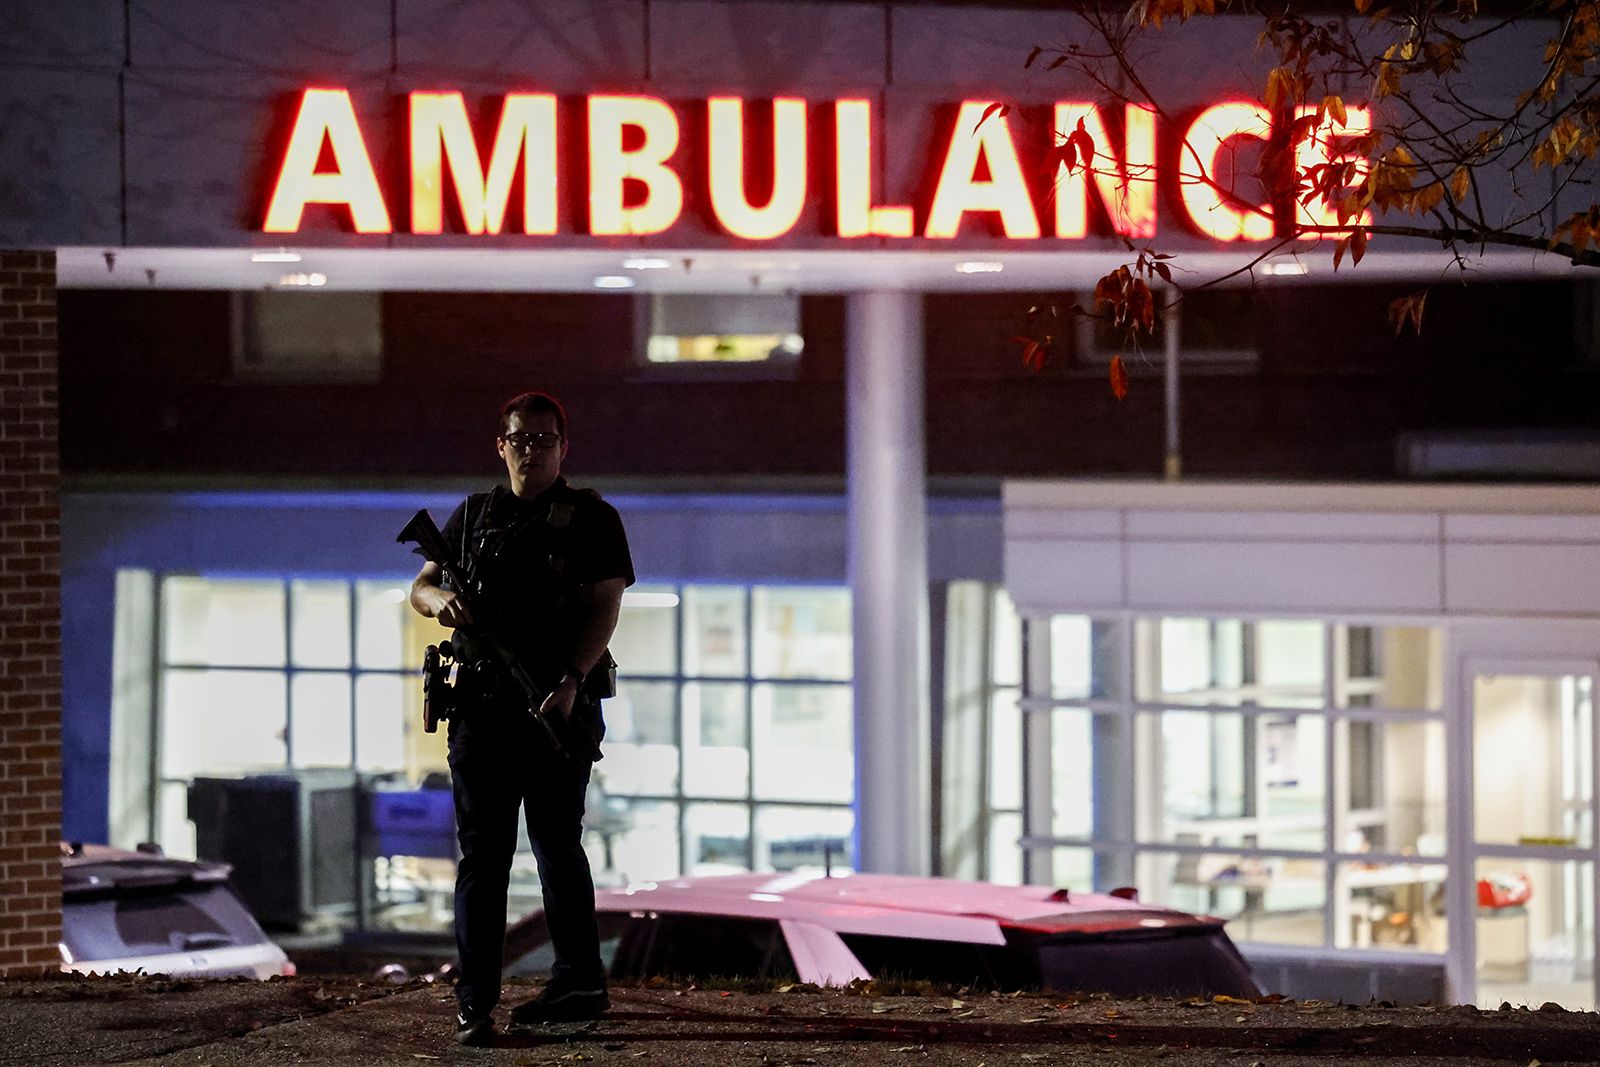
888, 579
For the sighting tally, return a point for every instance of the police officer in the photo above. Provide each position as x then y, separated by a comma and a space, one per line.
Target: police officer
549, 562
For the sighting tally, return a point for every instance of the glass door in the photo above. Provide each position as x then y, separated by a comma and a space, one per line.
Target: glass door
1532, 832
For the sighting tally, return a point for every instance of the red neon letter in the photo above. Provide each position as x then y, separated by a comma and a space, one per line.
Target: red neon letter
326, 114
728, 200
1127, 186
1317, 148
610, 165
1197, 177
959, 192
440, 132
858, 216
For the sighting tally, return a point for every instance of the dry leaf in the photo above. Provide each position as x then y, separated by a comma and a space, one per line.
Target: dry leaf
1119, 378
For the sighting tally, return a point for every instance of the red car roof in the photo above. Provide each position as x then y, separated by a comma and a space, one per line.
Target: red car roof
937, 908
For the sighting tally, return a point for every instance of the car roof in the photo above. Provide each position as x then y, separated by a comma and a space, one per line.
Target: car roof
93, 869
897, 905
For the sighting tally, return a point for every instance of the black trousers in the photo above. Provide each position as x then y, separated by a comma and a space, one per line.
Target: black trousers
499, 762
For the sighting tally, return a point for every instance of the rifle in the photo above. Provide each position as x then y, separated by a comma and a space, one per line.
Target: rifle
431, 547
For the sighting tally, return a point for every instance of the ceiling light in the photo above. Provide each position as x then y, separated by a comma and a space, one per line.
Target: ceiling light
980, 266
630, 599
314, 279
282, 255
1285, 267
646, 263
613, 281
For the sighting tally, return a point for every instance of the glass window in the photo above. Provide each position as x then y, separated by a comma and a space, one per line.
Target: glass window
716, 744
320, 720
802, 632
1397, 787
714, 631
718, 836
646, 639
319, 624
232, 622
1073, 868
1228, 778
1290, 661
1083, 658
1229, 662
1005, 751
381, 718
1005, 851
641, 743
1391, 667
1535, 933
1271, 899
643, 846
222, 722
789, 838
380, 610
1072, 769
1390, 906
1006, 641
804, 745
1532, 759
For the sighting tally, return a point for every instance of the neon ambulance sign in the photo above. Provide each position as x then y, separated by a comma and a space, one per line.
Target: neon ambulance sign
761, 167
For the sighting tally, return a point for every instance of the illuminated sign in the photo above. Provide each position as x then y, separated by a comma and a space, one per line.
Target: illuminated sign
760, 170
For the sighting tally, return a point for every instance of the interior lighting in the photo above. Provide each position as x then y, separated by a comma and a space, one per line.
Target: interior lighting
282, 255
315, 280
1286, 268
613, 281
646, 263
980, 266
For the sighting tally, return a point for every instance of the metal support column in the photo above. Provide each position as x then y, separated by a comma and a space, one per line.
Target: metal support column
889, 580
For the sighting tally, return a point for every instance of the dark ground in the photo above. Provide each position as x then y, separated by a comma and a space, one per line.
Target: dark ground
336, 1020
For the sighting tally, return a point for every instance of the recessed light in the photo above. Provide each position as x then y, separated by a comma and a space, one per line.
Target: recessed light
646, 263
282, 255
1285, 267
980, 266
314, 279
613, 281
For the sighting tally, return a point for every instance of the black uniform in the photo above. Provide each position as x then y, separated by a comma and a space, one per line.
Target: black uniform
531, 563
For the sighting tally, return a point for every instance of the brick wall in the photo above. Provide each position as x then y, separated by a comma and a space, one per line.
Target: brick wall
30, 617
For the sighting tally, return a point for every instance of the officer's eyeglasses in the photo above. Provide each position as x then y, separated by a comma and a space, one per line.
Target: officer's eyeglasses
527, 442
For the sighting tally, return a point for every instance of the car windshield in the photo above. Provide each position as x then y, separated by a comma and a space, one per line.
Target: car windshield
700, 946
1186, 962
954, 963
152, 922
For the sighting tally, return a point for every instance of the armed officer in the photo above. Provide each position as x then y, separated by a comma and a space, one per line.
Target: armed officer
550, 563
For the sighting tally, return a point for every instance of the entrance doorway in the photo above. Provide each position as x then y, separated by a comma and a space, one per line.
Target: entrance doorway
1529, 828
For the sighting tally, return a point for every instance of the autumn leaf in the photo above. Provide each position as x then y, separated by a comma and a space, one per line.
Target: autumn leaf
1358, 245
1119, 378
1339, 251
1033, 55
997, 106
1460, 184
1408, 309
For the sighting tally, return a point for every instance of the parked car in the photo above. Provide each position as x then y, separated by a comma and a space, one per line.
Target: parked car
141, 911
833, 930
